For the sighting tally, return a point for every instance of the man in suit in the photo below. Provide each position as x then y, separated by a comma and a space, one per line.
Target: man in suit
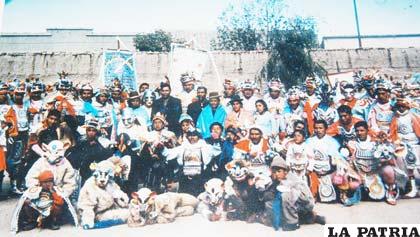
170, 107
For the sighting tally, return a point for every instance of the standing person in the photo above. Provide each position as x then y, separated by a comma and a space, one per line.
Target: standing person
134, 108
405, 127
188, 92
84, 106
238, 117
195, 108
265, 120
170, 107
105, 114
148, 98
213, 112
349, 96
17, 144
249, 99
8, 127
325, 109
293, 111
117, 100
364, 102
275, 99
143, 87
229, 90
381, 113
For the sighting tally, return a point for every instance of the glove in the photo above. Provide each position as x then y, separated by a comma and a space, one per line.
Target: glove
283, 189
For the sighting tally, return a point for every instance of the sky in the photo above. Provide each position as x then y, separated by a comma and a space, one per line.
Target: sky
333, 17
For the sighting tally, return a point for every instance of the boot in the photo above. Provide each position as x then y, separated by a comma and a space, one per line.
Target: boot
51, 223
13, 186
2, 196
413, 187
391, 194
290, 227
320, 220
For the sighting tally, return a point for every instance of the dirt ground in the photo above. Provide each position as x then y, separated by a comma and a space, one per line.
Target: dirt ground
405, 212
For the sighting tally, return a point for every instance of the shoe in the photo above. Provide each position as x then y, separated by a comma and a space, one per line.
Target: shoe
320, 220
53, 226
290, 227
50, 224
413, 192
29, 226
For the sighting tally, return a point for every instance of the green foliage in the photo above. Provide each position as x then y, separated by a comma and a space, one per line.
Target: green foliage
158, 41
261, 25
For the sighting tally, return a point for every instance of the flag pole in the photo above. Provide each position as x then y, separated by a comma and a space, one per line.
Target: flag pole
2, 5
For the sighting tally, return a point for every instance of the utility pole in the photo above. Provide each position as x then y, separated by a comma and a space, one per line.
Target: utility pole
357, 23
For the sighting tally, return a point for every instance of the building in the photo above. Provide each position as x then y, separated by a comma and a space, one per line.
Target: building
371, 41
82, 40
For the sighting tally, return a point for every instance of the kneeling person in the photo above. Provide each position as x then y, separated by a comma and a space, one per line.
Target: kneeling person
296, 200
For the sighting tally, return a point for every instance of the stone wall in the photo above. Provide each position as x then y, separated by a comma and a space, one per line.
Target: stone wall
152, 67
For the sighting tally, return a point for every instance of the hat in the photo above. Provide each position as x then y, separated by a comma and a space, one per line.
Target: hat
161, 117
348, 86
4, 87
184, 117
133, 95
247, 85
102, 92
46, 176
382, 84
229, 83
311, 82
279, 162
37, 87
86, 87
235, 98
193, 132
214, 95
20, 88
92, 123
187, 77
275, 85
402, 102
294, 93
257, 127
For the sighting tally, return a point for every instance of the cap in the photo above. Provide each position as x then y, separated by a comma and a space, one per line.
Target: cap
46, 176
279, 162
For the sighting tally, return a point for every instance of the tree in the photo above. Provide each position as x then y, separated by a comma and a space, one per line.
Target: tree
158, 41
261, 25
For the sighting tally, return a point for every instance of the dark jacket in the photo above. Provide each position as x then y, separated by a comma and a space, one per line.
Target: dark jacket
84, 154
172, 111
195, 108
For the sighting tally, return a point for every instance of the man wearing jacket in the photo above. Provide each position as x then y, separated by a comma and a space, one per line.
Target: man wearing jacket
170, 107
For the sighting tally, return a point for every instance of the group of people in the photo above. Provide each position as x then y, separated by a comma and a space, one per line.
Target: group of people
277, 153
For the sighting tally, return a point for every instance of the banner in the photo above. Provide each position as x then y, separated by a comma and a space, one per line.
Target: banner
186, 60
121, 65
341, 76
